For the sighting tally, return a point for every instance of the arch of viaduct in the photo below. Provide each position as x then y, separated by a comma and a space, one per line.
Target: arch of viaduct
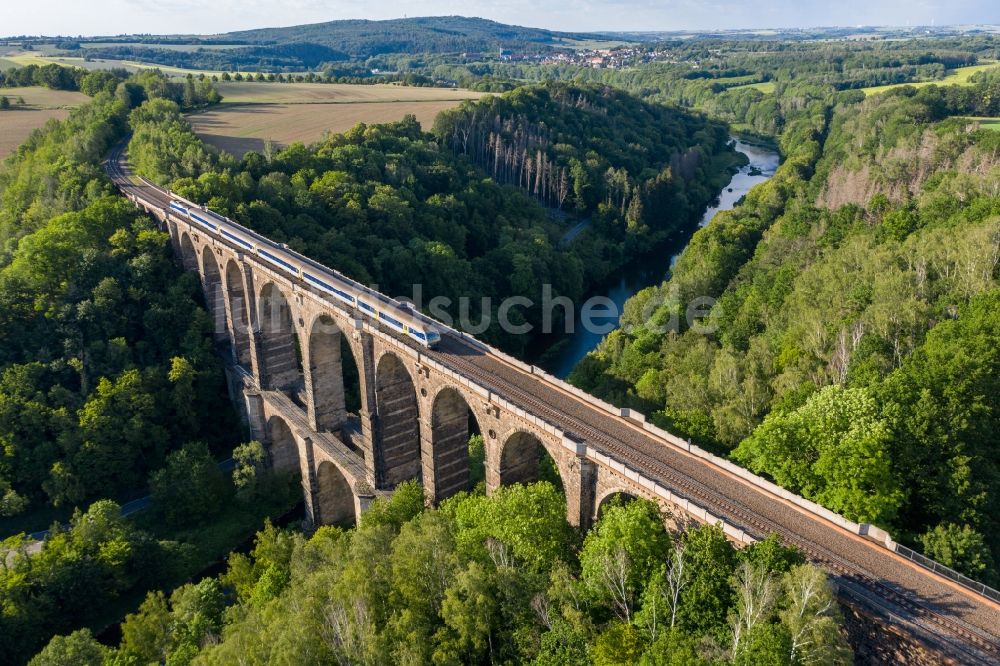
287, 343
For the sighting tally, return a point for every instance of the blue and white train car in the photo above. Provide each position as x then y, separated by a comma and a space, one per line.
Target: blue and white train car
392, 314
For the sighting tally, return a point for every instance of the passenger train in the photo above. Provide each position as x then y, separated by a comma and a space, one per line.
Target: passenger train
396, 316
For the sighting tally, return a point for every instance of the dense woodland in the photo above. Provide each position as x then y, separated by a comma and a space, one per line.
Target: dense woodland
109, 384
107, 361
390, 205
488, 580
852, 354
641, 171
98, 565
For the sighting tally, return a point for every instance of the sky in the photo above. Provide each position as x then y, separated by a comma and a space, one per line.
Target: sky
109, 17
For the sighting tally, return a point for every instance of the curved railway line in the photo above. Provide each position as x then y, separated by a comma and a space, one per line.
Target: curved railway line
958, 622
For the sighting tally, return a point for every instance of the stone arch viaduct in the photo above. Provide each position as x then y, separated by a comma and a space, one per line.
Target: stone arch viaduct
289, 347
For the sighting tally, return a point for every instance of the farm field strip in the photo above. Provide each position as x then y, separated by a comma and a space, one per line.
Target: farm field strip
763, 86
40, 106
18, 124
36, 97
23, 59
239, 92
992, 124
238, 129
957, 77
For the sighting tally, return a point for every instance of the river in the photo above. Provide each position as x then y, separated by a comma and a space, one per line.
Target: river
763, 163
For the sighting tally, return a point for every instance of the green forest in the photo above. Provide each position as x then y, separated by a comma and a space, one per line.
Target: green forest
488, 580
639, 171
110, 387
852, 352
107, 359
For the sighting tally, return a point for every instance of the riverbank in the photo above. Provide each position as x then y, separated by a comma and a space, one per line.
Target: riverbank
564, 351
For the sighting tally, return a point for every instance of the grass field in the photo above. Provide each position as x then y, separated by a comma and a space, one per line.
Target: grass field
260, 92
957, 77
20, 59
992, 124
241, 128
41, 105
765, 87
734, 81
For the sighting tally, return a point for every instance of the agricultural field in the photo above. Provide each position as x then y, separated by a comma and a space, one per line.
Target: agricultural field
260, 92
765, 87
40, 105
252, 113
240, 128
23, 59
992, 124
957, 77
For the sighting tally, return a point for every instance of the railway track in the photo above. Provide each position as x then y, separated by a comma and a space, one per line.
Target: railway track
904, 598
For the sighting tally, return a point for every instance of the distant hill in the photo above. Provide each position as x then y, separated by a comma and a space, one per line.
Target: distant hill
340, 46
436, 34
